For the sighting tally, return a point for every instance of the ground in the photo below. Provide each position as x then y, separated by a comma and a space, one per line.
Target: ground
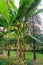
29, 56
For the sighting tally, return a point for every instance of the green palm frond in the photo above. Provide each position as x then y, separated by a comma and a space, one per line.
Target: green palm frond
27, 8
39, 11
12, 6
33, 7
23, 7
3, 23
4, 10
2, 39
36, 39
26, 3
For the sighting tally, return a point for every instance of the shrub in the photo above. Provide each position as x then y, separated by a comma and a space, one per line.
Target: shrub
30, 62
11, 61
3, 61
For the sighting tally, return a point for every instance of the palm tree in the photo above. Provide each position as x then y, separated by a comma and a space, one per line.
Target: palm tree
36, 21
26, 11
6, 20
15, 17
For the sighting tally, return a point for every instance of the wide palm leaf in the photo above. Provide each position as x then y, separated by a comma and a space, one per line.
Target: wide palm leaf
27, 8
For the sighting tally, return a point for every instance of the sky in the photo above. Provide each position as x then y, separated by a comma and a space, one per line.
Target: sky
17, 3
41, 14
40, 7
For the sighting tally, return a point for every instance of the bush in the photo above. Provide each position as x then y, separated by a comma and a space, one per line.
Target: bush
41, 50
30, 62
3, 61
11, 61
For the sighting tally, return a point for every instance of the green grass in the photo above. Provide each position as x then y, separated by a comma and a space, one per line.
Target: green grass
28, 55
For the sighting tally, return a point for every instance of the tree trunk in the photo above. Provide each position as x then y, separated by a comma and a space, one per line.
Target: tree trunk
8, 48
7, 1
8, 53
17, 48
34, 50
21, 50
24, 54
24, 51
34, 42
8, 41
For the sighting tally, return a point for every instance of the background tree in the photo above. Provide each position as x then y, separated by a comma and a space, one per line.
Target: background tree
35, 30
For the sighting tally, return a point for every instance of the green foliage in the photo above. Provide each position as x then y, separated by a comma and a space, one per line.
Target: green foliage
4, 10
14, 35
12, 15
3, 23
28, 39
30, 62
12, 6
24, 6
32, 8
36, 39
2, 39
10, 61
27, 8
39, 11
27, 3
2, 61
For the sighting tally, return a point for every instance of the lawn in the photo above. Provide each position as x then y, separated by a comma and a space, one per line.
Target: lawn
28, 55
